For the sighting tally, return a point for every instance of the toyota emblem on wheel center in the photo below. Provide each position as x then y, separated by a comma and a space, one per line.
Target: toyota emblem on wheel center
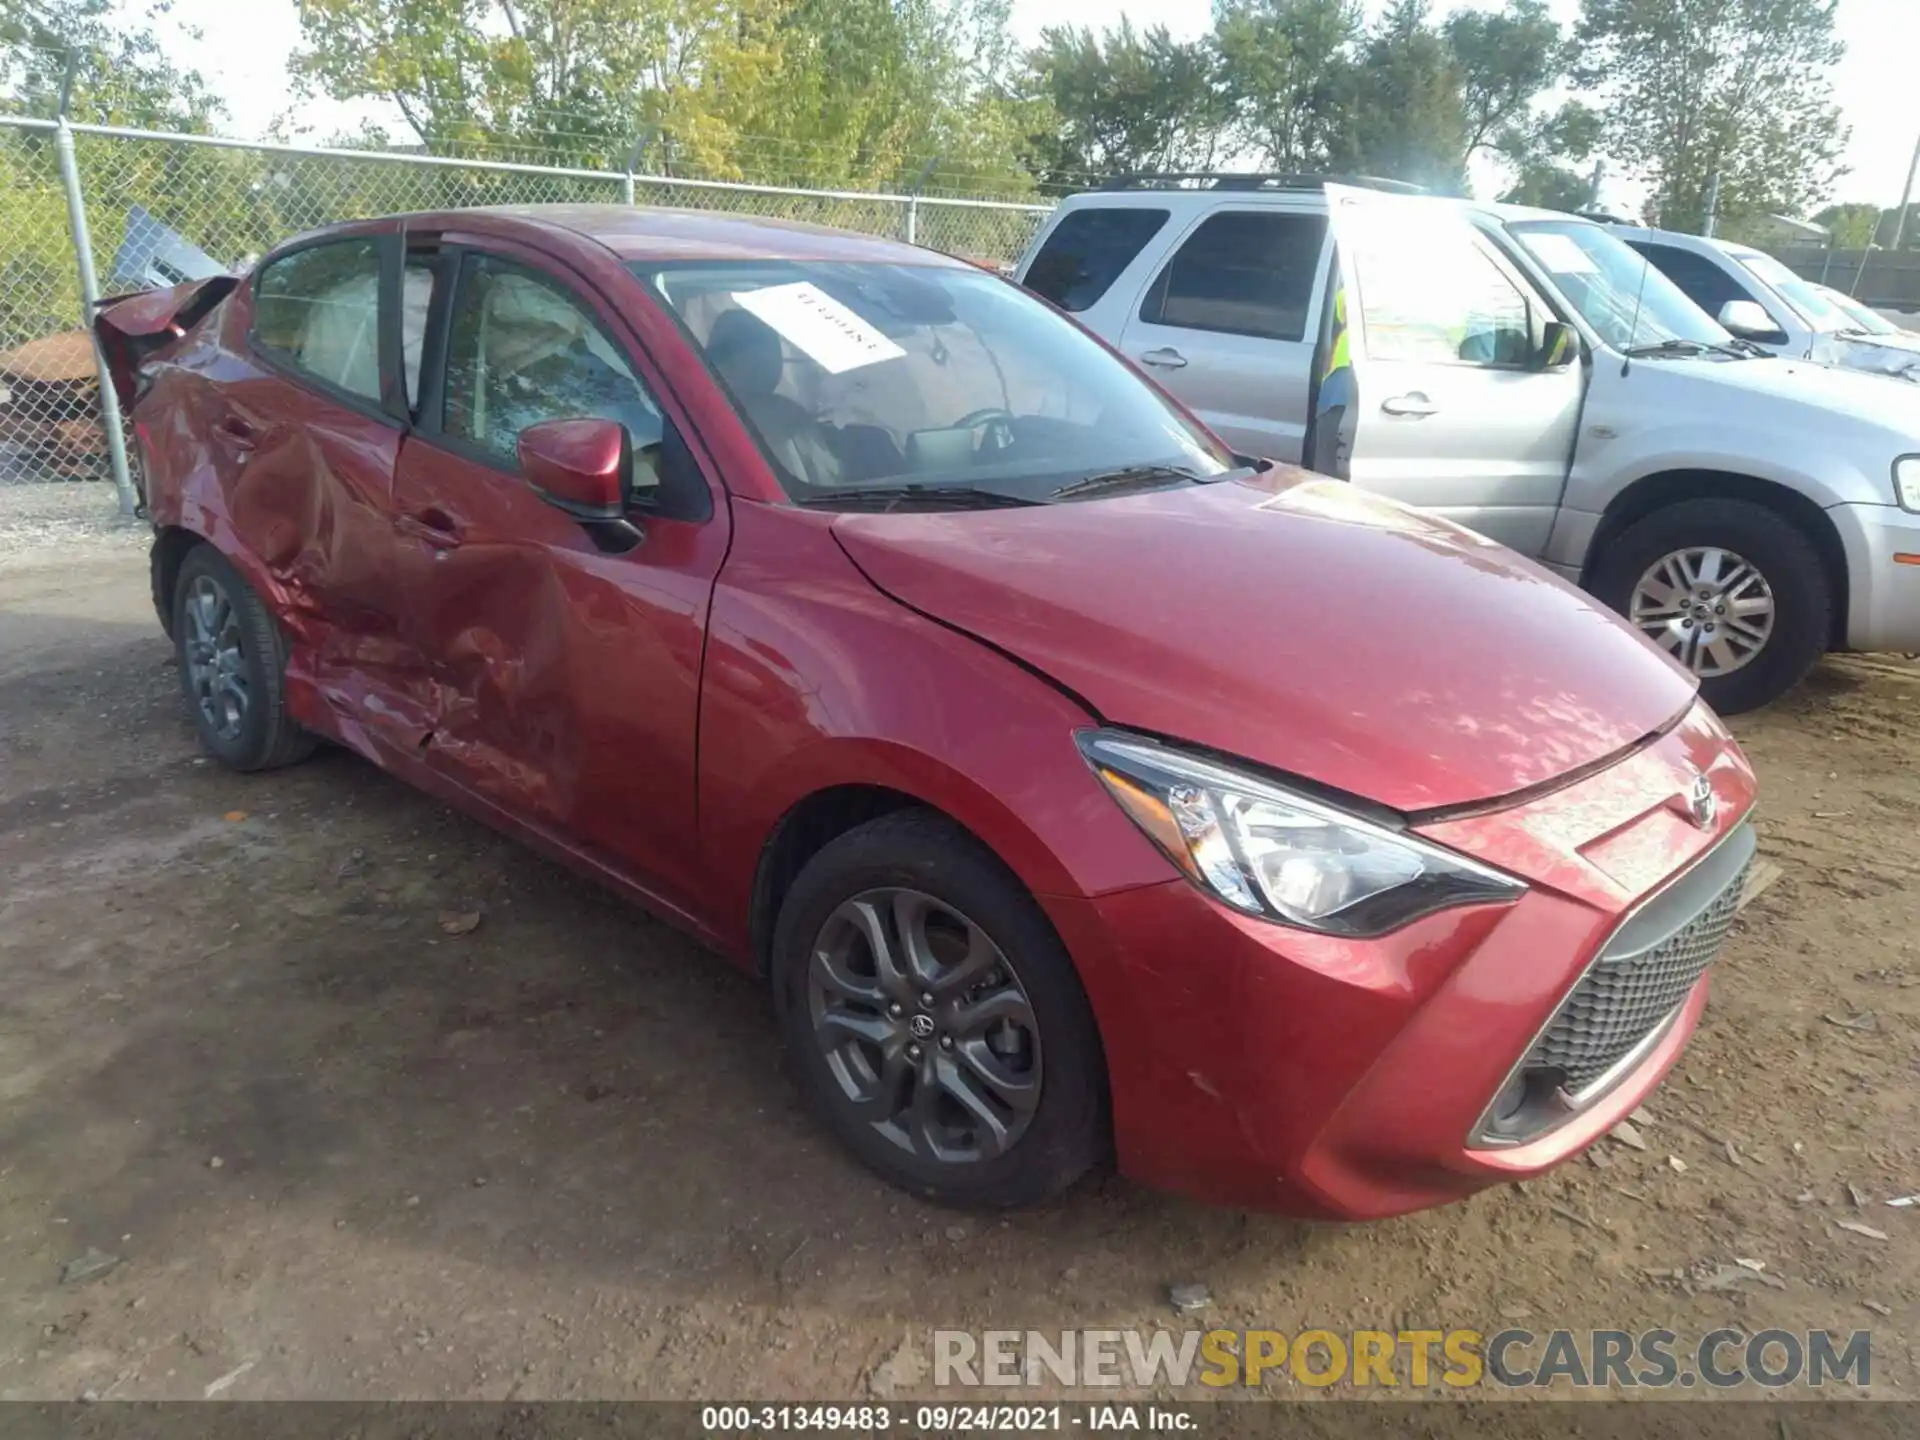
1702, 805
921, 1026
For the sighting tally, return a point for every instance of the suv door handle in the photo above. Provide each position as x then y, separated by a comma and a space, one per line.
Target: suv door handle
433, 528
1413, 403
1166, 357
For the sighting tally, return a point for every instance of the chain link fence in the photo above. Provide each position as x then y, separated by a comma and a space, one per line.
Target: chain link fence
159, 208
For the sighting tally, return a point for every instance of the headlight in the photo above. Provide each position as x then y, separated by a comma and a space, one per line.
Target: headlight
1906, 481
1270, 852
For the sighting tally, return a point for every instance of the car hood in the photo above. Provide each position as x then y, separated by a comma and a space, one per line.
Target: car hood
1897, 355
1808, 385
1304, 625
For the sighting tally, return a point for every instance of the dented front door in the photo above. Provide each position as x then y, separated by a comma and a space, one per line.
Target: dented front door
564, 680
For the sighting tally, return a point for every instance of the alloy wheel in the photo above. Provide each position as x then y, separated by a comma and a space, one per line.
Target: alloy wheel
1712, 609
924, 1026
216, 663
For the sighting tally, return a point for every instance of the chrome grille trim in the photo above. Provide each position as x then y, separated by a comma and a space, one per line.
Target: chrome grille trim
1630, 993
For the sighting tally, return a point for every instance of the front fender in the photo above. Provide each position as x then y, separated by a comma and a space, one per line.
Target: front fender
814, 679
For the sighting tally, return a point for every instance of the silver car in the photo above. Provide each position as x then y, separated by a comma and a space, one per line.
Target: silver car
1527, 374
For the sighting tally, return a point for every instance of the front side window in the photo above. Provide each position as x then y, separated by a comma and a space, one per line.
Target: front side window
1803, 295
1079, 261
1434, 296
1699, 279
522, 350
858, 375
1242, 272
318, 310
1617, 291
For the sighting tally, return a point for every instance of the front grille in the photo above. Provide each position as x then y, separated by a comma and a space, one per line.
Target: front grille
1623, 997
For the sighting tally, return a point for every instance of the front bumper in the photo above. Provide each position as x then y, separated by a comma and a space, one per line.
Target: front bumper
1260, 1066
1883, 591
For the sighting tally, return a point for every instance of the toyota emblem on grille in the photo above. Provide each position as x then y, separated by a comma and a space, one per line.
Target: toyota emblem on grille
1701, 802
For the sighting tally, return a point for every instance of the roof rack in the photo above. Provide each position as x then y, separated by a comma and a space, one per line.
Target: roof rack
1602, 217
1254, 180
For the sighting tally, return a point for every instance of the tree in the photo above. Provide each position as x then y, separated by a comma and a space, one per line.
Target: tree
1852, 225
1505, 59
1408, 122
122, 75
1286, 72
1552, 158
820, 92
1734, 88
1121, 102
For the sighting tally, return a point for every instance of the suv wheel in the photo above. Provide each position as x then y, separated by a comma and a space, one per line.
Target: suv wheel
232, 666
1734, 591
934, 1018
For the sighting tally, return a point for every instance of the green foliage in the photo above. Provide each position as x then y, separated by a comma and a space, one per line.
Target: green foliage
838, 93
1852, 226
121, 74
1287, 73
1121, 102
1504, 60
1408, 122
1734, 88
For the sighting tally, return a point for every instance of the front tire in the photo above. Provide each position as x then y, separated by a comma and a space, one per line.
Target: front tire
1734, 591
232, 667
935, 1021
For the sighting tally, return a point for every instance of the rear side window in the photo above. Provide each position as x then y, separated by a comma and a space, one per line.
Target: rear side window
1244, 272
318, 309
1086, 252
1699, 279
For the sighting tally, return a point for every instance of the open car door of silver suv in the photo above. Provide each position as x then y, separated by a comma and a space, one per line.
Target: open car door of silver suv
1462, 390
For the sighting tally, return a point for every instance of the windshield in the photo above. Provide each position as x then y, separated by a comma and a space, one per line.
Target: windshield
1803, 295
876, 377
1623, 297
1871, 322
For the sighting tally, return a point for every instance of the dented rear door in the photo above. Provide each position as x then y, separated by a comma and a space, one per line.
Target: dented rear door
301, 429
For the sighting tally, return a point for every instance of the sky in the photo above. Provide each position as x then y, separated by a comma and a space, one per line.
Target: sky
244, 44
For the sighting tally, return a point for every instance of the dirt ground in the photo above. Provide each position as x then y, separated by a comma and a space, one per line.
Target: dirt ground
340, 1153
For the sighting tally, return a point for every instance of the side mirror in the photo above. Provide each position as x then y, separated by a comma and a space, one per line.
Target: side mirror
1750, 321
584, 468
1559, 345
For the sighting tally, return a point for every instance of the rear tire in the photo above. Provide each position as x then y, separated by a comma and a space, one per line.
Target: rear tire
233, 667
1791, 573
932, 891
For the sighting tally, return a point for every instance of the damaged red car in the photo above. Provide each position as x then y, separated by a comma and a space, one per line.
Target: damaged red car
1080, 788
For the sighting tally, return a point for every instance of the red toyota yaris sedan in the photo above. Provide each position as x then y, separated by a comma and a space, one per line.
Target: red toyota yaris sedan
1077, 785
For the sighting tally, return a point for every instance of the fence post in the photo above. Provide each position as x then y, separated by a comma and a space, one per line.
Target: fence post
913, 200
89, 297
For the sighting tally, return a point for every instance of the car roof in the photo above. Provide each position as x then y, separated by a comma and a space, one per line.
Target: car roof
1296, 198
658, 233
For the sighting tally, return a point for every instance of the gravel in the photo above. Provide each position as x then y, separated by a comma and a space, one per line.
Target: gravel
41, 522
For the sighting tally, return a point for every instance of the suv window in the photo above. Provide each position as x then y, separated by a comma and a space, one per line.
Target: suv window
1699, 279
1086, 252
1244, 272
318, 309
522, 350
1438, 298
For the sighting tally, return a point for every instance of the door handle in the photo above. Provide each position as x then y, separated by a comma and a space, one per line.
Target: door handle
241, 434
1166, 357
433, 528
1413, 404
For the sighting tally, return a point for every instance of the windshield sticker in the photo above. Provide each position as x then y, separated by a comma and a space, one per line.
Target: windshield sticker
1561, 254
825, 331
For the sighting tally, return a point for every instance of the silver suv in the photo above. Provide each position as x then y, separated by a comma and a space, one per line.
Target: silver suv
1525, 373
1759, 299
